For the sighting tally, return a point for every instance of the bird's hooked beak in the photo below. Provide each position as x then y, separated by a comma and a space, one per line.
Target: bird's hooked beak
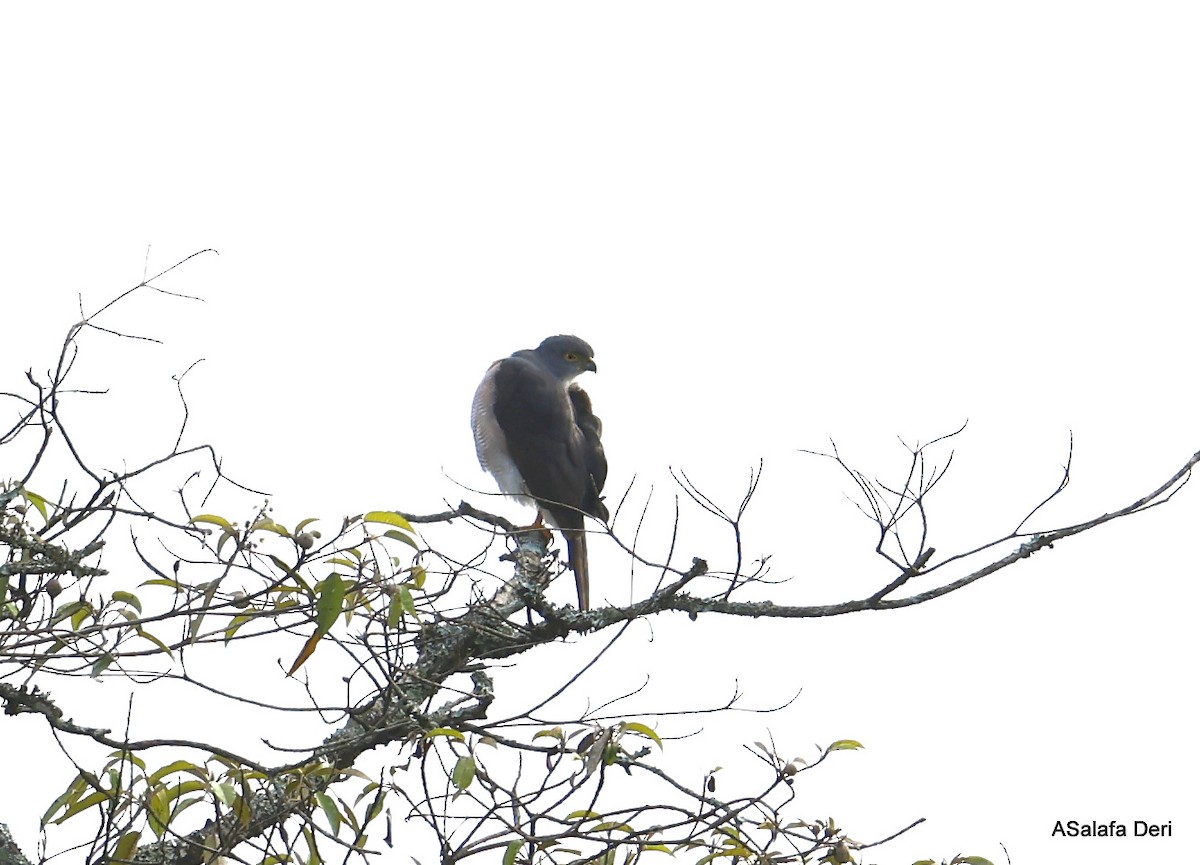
591, 365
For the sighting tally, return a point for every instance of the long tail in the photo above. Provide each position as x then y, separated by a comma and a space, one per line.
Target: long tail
577, 556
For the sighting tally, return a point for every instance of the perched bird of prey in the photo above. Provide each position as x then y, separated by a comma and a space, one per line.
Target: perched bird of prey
536, 435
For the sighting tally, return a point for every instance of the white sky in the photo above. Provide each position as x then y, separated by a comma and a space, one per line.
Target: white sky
777, 224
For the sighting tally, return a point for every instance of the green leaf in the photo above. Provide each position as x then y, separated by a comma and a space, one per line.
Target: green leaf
511, 851
183, 789
226, 535
174, 584
300, 525
583, 815
642, 730
464, 772
331, 811
215, 520
234, 625
84, 804
314, 852
37, 501
178, 766
395, 611
332, 591
376, 805
972, 860
126, 846
391, 518
159, 812
845, 745
269, 525
406, 601
552, 733
78, 615
146, 635
353, 601
225, 793
291, 572
128, 598
210, 591
102, 664
69, 795
400, 536
446, 731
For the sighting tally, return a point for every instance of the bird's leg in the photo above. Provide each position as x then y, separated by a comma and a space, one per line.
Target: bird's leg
539, 525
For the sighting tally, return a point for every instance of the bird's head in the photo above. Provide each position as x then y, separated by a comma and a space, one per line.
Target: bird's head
566, 356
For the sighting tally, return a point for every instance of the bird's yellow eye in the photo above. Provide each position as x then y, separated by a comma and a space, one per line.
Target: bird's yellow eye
571, 356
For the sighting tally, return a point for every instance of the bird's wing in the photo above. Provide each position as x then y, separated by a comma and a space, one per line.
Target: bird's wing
490, 442
542, 439
594, 459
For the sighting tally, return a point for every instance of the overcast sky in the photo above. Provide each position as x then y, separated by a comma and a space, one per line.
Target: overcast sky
778, 224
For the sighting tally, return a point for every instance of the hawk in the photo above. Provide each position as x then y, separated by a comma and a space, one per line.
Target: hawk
535, 433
